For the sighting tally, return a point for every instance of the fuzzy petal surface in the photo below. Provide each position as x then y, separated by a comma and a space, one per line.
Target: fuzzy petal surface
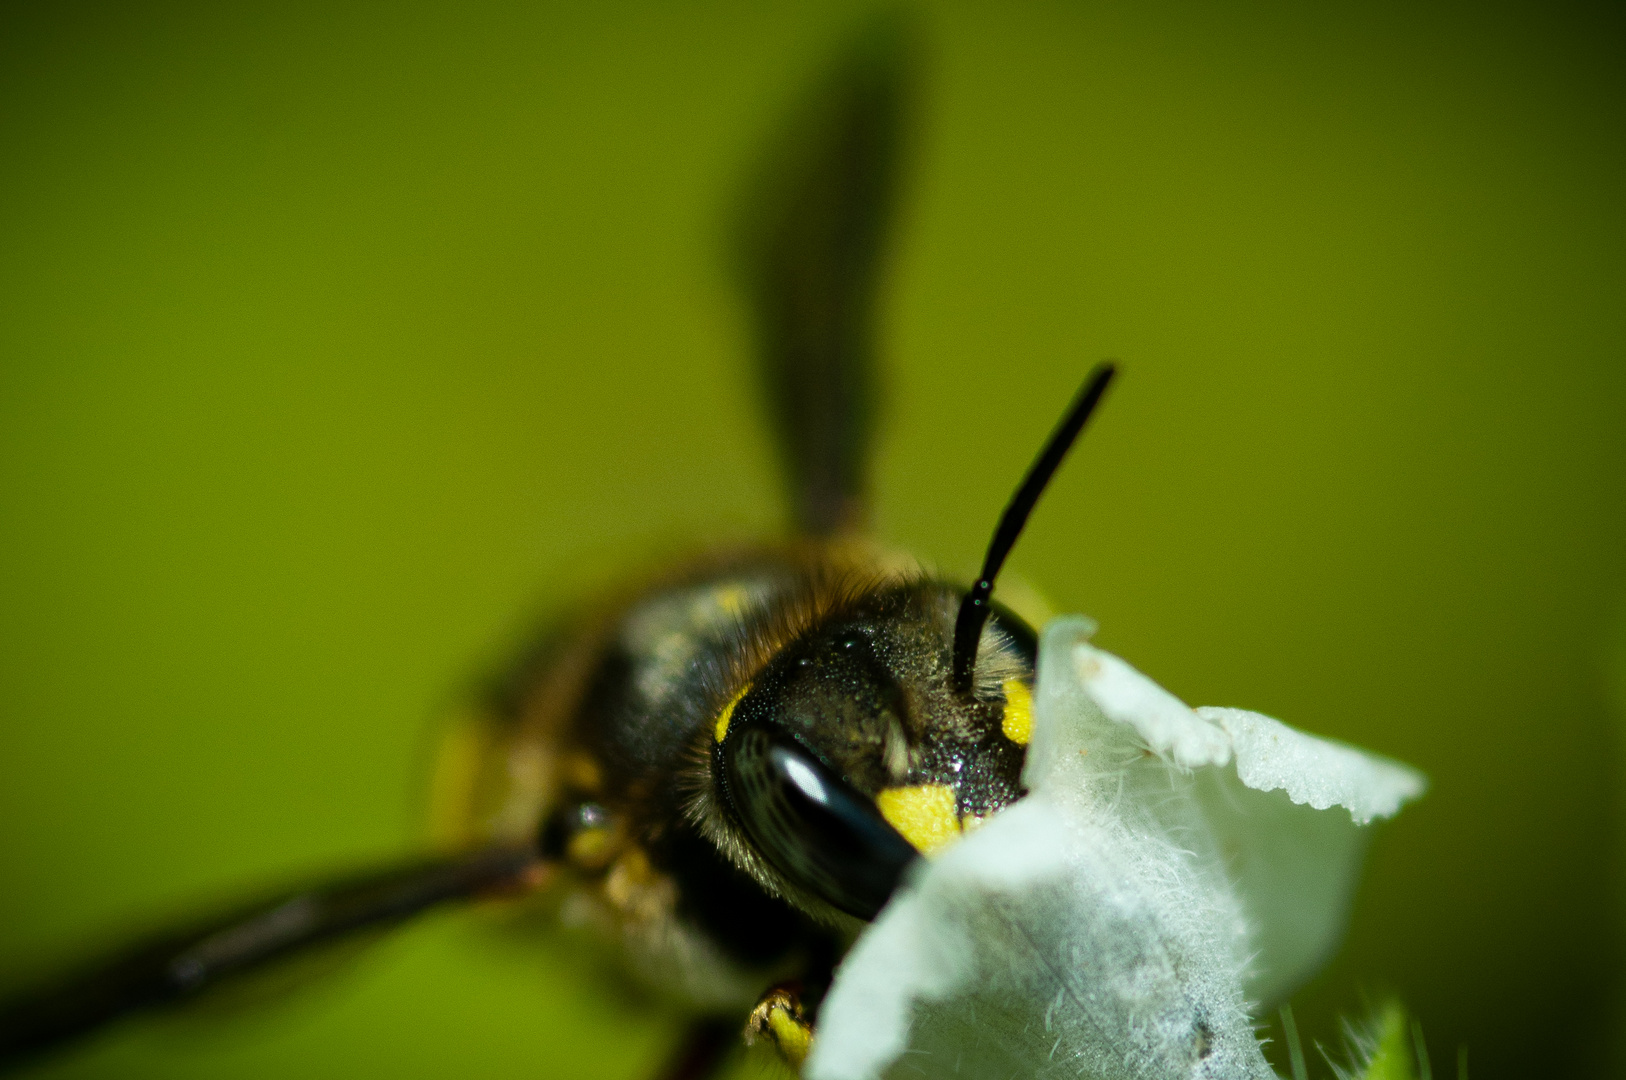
1168, 867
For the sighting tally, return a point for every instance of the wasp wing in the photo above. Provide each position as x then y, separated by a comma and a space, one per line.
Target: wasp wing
811, 253
177, 966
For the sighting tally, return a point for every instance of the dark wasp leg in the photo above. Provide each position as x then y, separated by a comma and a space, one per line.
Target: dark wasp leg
173, 967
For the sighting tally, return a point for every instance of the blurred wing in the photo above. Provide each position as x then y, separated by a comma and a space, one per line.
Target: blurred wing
177, 966
810, 254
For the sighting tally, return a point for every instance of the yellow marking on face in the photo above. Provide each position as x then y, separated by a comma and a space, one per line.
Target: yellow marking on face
721, 728
1018, 721
793, 1037
924, 814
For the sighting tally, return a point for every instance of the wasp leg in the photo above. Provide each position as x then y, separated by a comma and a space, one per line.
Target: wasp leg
780, 1018
182, 964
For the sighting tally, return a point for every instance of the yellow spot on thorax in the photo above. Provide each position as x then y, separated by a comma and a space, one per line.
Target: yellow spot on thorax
721, 728
924, 815
636, 889
591, 848
1018, 721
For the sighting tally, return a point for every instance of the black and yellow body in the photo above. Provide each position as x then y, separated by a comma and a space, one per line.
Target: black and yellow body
730, 767
725, 771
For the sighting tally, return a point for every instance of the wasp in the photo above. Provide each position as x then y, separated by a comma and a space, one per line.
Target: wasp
732, 765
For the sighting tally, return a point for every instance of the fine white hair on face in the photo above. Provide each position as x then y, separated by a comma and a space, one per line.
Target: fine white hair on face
1168, 867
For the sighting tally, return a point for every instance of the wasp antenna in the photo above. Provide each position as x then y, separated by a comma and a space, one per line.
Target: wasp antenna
974, 608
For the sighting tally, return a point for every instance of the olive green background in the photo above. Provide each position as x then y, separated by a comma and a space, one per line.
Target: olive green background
339, 340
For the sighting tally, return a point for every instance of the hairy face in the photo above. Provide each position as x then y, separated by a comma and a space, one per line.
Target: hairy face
847, 753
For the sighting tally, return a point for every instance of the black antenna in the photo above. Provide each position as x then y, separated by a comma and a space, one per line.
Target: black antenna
974, 608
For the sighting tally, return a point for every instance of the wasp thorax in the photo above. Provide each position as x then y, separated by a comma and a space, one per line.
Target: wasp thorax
849, 755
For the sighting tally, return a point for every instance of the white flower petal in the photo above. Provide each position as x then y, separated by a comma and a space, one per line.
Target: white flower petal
1016, 955
1294, 869
1271, 756
1171, 729
1116, 921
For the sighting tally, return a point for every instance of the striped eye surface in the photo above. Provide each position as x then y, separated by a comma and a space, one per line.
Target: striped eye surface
812, 826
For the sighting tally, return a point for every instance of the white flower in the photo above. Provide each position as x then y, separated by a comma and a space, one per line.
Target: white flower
1169, 867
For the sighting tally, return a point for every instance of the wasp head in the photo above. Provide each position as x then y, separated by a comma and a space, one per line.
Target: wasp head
850, 753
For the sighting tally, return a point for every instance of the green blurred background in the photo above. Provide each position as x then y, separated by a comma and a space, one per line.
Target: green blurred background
339, 340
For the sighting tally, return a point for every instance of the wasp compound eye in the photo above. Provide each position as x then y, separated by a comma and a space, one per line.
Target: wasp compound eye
812, 826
